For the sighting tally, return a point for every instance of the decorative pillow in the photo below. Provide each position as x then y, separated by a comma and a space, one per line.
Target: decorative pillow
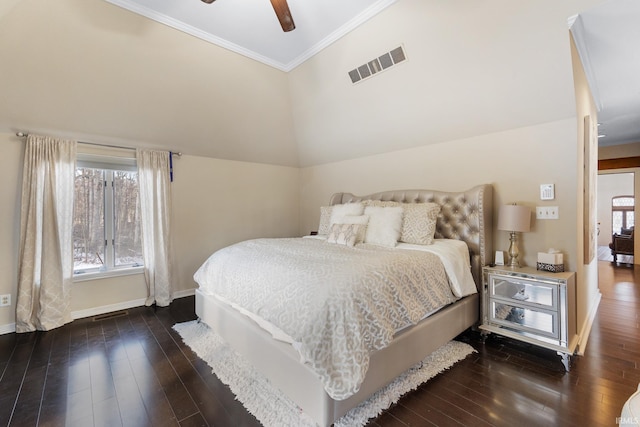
357, 219
344, 234
419, 224
340, 211
385, 225
325, 220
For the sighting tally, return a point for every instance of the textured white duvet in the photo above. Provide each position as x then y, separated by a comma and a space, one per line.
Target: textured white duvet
337, 303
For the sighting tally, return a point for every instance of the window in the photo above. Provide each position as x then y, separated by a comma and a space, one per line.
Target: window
622, 213
106, 226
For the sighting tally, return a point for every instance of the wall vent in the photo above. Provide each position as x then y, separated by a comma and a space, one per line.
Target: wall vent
110, 315
381, 63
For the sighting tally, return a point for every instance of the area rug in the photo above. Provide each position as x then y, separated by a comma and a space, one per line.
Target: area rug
272, 408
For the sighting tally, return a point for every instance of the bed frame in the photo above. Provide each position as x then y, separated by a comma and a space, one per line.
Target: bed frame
464, 216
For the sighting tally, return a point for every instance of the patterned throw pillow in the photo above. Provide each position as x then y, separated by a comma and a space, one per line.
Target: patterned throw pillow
325, 220
419, 224
357, 219
344, 234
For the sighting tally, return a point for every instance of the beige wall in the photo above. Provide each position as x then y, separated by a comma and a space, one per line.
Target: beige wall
220, 202
215, 203
93, 71
515, 162
472, 69
10, 188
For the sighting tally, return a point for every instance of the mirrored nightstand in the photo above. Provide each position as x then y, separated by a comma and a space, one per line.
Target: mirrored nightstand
533, 306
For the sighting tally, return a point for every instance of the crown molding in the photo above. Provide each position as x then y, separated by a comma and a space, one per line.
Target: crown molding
361, 18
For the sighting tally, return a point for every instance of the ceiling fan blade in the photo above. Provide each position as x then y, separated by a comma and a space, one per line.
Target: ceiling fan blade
284, 15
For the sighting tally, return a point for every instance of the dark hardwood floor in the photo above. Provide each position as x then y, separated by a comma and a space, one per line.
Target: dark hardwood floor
133, 370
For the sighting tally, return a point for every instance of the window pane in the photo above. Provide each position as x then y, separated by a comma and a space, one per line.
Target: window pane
616, 221
88, 219
630, 219
623, 201
127, 235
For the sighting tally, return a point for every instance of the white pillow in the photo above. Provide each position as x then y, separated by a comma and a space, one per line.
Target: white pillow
345, 234
357, 219
385, 225
340, 211
419, 223
325, 220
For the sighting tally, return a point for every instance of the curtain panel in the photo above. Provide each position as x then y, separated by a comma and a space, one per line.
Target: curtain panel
45, 268
155, 215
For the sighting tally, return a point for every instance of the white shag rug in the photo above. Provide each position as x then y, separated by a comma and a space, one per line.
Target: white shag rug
272, 408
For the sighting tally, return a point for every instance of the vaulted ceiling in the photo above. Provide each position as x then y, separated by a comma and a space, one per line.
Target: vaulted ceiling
241, 89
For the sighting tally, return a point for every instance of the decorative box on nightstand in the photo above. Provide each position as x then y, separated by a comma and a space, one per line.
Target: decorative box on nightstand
533, 306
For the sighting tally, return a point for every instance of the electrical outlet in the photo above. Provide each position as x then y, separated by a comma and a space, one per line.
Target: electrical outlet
547, 212
5, 300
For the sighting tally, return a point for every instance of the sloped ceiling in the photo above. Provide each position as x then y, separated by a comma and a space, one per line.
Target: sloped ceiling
94, 71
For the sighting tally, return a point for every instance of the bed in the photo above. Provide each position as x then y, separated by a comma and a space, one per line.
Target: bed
464, 216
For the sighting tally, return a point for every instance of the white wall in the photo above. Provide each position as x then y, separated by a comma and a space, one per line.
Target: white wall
215, 203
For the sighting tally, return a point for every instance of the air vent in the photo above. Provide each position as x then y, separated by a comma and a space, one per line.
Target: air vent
381, 63
110, 315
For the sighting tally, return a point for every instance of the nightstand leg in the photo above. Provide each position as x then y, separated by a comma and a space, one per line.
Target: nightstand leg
566, 360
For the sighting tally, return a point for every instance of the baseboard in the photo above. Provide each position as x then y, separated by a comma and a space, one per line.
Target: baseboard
7, 329
103, 309
588, 323
184, 293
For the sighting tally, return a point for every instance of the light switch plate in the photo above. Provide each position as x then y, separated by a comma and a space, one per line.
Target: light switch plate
547, 212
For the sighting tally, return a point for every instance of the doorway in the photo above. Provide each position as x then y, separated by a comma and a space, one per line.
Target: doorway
614, 212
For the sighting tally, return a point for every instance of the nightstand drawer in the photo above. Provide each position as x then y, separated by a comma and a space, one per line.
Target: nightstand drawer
524, 318
522, 291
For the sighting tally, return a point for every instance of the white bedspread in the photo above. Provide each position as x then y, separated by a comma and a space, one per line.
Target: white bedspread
338, 303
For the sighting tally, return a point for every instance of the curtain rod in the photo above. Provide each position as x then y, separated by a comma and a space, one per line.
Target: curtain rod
24, 135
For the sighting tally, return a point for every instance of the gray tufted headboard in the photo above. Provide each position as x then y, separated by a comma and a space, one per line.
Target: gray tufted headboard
465, 215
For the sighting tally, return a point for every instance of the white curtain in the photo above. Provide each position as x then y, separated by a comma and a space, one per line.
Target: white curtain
155, 215
45, 261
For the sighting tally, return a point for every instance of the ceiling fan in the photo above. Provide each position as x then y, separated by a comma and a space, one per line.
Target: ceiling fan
282, 12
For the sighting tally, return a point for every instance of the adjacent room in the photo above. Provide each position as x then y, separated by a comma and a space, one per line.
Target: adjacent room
152, 145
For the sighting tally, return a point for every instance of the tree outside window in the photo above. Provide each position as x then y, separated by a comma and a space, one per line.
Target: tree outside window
106, 226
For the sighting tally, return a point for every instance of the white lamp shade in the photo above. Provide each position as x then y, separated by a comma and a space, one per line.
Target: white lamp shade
514, 218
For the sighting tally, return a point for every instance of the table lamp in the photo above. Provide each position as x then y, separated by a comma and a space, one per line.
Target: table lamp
513, 218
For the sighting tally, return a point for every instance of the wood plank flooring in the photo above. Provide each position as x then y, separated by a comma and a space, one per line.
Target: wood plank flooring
133, 370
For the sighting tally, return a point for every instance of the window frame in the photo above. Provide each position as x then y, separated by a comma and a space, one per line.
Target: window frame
110, 165
624, 210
